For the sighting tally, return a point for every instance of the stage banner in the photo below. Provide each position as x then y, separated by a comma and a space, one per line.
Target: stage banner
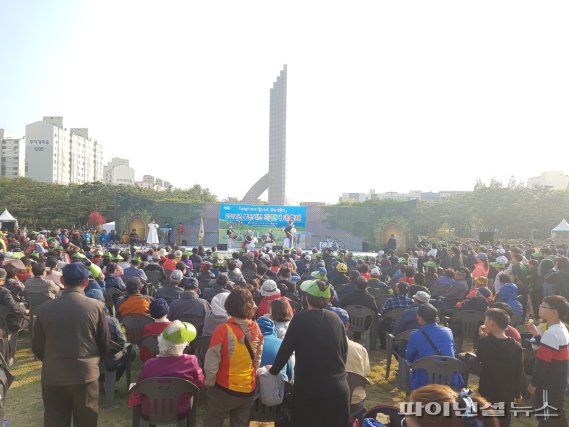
265, 224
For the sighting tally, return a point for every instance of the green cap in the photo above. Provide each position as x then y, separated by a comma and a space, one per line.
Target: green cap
497, 265
95, 270
186, 334
311, 288
429, 264
18, 255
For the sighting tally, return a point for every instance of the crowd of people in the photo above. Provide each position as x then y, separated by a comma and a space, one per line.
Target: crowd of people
286, 310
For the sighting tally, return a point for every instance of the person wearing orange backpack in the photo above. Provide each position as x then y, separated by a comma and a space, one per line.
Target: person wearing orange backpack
231, 361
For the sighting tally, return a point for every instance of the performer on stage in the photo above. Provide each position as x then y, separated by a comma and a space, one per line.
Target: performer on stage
269, 240
180, 234
152, 238
230, 236
289, 237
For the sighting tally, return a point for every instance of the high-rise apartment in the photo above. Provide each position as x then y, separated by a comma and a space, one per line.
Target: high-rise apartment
12, 156
60, 155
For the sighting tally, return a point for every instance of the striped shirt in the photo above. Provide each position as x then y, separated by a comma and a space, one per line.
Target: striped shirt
550, 371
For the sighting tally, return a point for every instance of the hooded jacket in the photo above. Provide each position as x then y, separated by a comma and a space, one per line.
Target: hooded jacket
271, 345
509, 294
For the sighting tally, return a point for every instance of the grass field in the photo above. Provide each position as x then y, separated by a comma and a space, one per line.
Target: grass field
24, 402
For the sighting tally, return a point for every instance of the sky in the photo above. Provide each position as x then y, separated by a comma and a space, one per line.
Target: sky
384, 95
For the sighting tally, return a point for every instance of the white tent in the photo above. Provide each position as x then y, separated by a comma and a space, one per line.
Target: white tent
7, 221
561, 230
109, 226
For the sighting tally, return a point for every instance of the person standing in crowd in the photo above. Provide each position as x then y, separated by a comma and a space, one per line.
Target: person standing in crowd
549, 380
318, 339
233, 356
71, 336
500, 357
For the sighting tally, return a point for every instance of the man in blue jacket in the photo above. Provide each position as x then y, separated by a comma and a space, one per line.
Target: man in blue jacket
430, 340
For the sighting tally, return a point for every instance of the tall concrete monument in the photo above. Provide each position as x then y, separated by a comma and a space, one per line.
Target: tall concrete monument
275, 180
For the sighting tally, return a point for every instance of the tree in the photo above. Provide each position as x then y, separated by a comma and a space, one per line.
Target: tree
95, 219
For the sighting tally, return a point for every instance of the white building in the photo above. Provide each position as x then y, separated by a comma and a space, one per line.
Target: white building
554, 179
56, 154
399, 197
148, 181
118, 172
12, 156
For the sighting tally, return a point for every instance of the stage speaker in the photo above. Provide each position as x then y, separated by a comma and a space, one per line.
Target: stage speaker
222, 246
184, 242
486, 236
365, 247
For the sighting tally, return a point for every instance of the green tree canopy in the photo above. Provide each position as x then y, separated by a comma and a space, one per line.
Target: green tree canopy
38, 204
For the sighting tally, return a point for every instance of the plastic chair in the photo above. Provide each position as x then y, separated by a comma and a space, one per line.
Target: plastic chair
163, 394
393, 412
356, 380
111, 375
35, 299
198, 348
361, 320
266, 414
111, 297
134, 325
391, 339
440, 370
150, 343
263, 413
469, 322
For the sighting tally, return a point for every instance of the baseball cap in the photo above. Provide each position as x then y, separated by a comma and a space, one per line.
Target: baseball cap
482, 256
191, 283
179, 332
375, 271
75, 272
343, 314
481, 280
497, 265
422, 296
176, 276
311, 288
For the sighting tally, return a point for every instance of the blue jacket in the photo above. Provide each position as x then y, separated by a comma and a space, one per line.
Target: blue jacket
509, 295
418, 347
271, 345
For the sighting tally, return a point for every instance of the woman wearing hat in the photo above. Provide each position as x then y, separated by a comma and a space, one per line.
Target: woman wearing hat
172, 362
318, 339
269, 292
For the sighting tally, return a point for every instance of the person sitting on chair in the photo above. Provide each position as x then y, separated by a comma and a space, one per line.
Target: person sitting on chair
430, 340
171, 362
134, 302
159, 312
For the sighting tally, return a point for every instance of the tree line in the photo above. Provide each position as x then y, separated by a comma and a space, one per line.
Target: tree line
512, 211
38, 204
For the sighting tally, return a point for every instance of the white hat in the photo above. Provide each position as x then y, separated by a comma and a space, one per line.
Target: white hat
269, 288
375, 271
178, 254
381, 253
501, 251
502, 259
